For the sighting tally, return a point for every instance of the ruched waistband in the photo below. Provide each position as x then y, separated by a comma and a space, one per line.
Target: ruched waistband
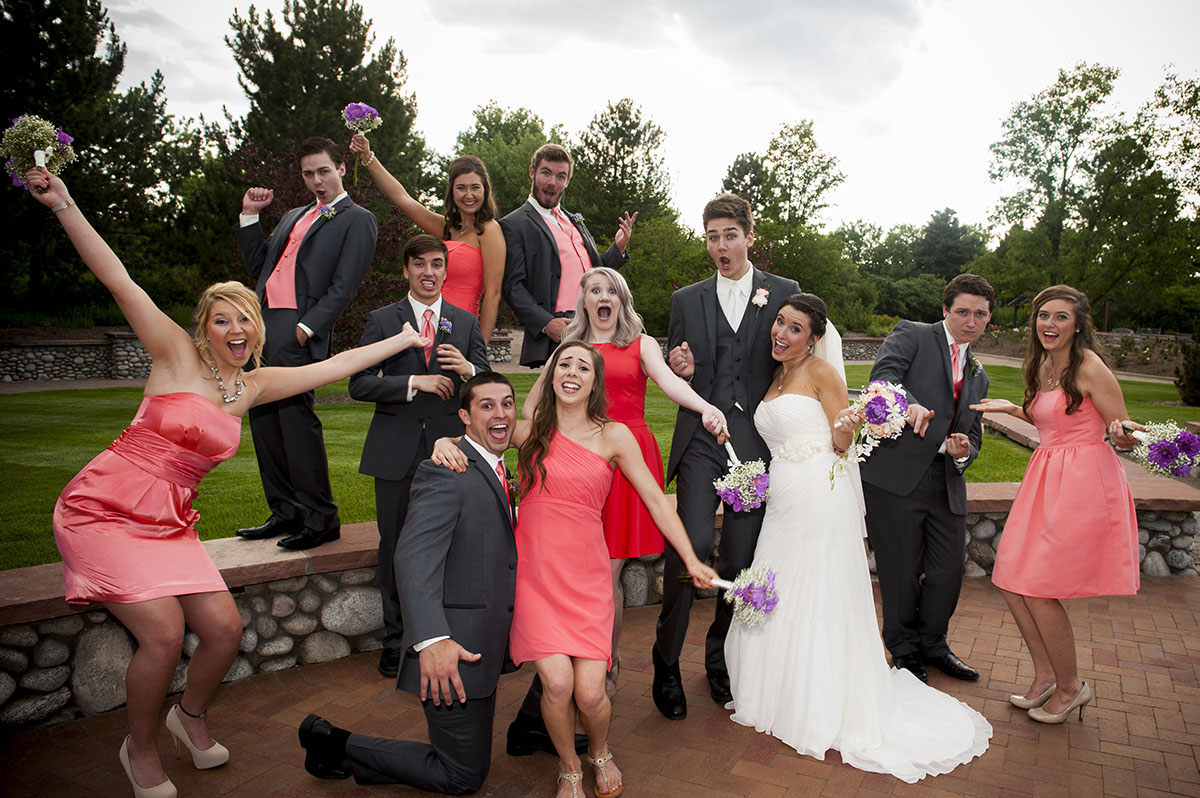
154, 454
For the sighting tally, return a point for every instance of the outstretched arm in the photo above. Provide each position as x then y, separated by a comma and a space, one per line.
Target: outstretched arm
628, 457
493, 249
163, 338
275, 383
677, 390
429, 221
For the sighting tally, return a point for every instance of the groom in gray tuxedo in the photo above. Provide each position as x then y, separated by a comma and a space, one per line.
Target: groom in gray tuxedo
456, 566
719, 336
914, 487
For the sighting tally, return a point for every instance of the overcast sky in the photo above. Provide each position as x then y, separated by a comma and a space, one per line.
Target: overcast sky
907, 94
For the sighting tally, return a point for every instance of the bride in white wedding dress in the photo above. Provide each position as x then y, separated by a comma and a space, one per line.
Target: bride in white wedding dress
814, 675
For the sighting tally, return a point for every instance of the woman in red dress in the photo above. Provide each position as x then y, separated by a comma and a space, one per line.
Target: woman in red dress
473, 237
1073, 498
605, 318
125, 525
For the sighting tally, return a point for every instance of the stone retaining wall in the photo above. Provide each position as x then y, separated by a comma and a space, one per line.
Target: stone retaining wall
120, 356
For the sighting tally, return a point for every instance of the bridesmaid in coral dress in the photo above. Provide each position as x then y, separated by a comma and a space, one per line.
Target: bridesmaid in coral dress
473, 237
605, 318
562, 617
1074, 497
125, 525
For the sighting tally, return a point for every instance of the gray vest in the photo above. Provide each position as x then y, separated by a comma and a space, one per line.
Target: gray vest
731, 383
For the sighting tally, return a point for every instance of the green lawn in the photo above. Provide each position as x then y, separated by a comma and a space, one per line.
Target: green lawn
49, 436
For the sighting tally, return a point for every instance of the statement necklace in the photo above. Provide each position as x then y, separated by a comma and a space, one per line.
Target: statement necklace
221, 383
1053, 384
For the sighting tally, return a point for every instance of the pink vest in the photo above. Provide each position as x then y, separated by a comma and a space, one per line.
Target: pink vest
281, 284
573, 258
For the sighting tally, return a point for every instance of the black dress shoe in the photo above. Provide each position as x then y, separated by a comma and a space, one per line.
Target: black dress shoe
526, 736
667, 689
718, 685
952, 666
273, 527
324, 748
309, 539
911, 662
389, 662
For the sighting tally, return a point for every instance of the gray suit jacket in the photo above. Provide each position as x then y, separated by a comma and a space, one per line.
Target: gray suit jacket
331, 262
456, 570
532, 272
917, 356
394, 436
694, 310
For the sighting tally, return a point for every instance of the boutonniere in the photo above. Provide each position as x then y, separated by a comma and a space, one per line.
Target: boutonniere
760, 299
327, 212
514, 492
445, 326
577, 218
973, 366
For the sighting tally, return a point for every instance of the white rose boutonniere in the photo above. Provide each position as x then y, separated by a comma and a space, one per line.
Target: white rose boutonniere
760, 299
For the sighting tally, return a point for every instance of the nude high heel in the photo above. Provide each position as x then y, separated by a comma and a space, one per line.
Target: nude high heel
1021, 702
203, 759
1081, 700
164, 790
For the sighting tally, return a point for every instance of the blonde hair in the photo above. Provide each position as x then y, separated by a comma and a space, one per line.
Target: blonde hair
629, 321
241, 298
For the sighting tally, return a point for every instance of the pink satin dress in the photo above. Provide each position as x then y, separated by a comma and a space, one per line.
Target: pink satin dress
464, 276
629, 529
1072, 529
564, 601
125, 525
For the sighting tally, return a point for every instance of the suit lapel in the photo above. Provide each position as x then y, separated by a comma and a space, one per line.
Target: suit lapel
709, 310
760, 281
490, 477
541, 224
943, 346
588, 242
405, 311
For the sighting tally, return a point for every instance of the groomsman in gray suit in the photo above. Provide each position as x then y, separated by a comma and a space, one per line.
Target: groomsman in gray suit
914, 487
307, 270
456, 565
719, 336
414, 395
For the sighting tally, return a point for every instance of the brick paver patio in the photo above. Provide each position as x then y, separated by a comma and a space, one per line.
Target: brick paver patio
1141, 736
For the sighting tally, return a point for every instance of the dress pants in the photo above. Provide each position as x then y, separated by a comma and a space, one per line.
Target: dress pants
288, 440
917, 535
703, 461
391, 508
455, 761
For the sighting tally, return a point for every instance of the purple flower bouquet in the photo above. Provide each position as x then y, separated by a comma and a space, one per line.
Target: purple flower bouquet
361, 118
1166, 449
32, 141
885, 409
752, 595
746, 486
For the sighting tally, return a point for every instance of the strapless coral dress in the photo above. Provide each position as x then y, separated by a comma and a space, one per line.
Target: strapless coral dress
463, 287
125, 525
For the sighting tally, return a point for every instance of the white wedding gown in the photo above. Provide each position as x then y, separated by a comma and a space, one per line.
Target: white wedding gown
814, 674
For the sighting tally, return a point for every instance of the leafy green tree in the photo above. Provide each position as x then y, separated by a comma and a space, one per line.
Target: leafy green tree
67, 59
946, 245
1046, 140
505, 139
663, 257
619, 167
816, 261
1170, 121
753, 181
803, 173
299, 76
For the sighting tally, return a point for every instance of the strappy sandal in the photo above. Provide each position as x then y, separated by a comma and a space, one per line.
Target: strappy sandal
574, 779
600, 790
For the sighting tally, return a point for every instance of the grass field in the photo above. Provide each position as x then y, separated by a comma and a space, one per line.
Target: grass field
49, 436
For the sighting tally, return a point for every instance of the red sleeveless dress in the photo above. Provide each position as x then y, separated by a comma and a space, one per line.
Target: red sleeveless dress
628, 528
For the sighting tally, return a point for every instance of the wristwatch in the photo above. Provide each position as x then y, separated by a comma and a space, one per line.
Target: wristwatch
962, 460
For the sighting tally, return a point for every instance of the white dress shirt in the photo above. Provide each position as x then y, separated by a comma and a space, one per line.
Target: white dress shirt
733, 296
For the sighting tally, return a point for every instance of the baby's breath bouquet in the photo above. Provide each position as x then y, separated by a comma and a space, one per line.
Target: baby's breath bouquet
31, 142
1167, 450
746, 486
752, 594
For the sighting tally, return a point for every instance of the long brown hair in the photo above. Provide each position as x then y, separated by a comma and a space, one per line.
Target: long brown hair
543, 426
1085, 339
465, 165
